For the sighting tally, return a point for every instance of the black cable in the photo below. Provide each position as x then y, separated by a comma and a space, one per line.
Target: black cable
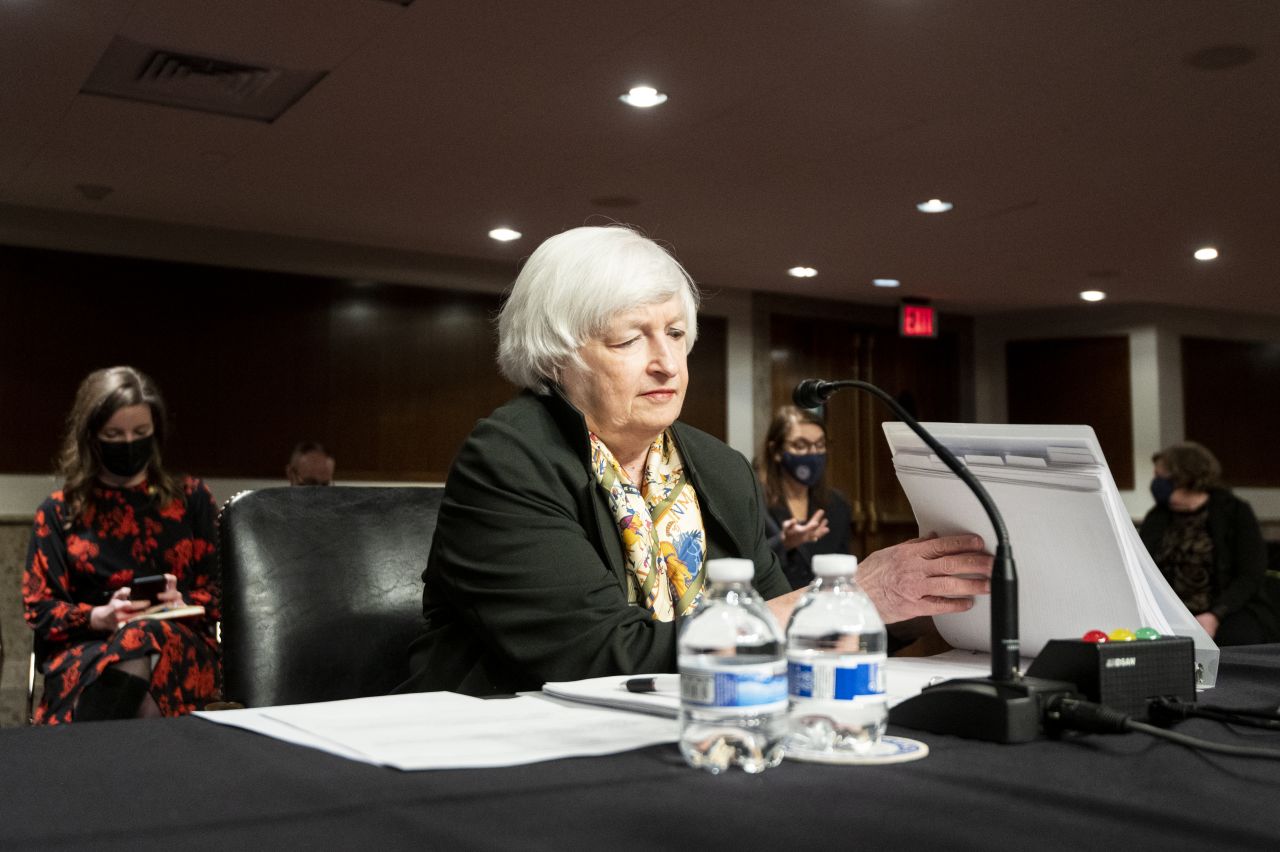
1206, 745
1166, 710
1071, 714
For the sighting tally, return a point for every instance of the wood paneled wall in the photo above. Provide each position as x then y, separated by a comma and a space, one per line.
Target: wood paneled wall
390, 377
1231, 394
1076, 380
924, 375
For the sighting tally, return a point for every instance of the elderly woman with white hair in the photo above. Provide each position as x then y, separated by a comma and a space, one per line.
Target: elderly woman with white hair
578, 518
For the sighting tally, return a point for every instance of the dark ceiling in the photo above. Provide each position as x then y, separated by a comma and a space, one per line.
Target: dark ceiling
1086, 144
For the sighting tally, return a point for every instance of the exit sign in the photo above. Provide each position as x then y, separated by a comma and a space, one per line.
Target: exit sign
917, 320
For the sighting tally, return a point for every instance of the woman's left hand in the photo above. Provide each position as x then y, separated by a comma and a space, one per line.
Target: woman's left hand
1209, 622
171, 597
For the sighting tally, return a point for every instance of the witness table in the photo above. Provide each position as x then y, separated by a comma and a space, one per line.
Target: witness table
188, 783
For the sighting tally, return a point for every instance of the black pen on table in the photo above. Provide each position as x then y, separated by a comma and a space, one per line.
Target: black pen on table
641, 684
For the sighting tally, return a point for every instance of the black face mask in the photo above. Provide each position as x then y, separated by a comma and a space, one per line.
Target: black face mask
1162, 489
126, 458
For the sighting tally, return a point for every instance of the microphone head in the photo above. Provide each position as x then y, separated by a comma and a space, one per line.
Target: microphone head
811, 393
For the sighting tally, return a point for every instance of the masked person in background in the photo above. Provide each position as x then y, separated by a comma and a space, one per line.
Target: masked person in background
805, 517
120, 516
1208, 546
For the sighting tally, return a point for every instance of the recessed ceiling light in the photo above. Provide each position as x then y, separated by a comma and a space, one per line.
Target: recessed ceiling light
1207, 253
885, 282
934, 205
505, 235
1093, 295
643, 97
802, 272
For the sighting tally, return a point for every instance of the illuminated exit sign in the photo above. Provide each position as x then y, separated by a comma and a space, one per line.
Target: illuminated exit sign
917, 320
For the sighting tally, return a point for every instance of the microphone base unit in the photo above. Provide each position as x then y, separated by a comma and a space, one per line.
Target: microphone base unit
1122, 675
998, 711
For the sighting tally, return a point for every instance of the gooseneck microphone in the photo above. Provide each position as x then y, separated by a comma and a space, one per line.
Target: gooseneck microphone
1006, 706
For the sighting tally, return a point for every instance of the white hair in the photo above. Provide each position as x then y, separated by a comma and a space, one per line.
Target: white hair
569, 291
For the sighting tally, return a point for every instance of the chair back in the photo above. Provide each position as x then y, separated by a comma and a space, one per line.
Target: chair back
321, 590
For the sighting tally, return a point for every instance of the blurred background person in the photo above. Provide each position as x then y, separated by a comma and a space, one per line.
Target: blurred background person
805, 516
310, 465
1208, 546
121, 515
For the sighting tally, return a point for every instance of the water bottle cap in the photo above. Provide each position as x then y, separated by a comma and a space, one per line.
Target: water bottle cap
731, 570
834, 565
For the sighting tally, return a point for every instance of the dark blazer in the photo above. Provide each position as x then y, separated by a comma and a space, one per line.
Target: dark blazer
1239, 552
526, 581
797, 563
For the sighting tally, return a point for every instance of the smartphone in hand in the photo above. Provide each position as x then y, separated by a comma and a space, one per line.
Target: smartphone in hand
147, 589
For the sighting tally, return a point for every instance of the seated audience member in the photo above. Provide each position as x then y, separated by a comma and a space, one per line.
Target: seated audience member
310, 465
1208, 546
119, 516
805, 517
578, 518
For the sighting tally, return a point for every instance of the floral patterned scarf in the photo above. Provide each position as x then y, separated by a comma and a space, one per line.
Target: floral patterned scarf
660, 525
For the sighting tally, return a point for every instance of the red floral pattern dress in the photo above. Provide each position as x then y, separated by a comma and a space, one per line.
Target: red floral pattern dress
121, 534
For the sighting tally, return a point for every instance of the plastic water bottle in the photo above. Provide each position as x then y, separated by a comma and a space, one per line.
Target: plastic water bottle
835, 664
733, 676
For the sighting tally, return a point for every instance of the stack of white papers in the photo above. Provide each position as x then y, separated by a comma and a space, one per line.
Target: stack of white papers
1081, 565
444, 730
612, 691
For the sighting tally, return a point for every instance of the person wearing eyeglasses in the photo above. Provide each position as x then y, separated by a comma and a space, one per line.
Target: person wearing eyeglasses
805, 516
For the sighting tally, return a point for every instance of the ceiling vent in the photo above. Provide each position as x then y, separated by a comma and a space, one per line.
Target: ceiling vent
140, 72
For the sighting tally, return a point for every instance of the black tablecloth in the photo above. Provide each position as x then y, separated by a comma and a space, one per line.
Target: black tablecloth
189, 783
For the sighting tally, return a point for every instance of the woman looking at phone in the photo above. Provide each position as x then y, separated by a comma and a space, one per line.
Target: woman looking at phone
121, 516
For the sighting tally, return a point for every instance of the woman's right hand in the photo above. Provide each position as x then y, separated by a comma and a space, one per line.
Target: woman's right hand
795, 533
113, 613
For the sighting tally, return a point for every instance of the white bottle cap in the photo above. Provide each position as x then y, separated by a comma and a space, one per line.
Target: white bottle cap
731, 570
834, 565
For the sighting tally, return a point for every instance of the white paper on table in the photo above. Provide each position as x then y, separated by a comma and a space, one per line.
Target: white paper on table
443, 730
611, 691
251, 719
905, 677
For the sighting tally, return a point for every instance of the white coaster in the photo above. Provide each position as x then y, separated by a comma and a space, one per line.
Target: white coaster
888, 750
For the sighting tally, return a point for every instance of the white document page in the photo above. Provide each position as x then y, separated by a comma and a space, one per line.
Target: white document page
905, 677
1081, 565
1062, 592
442, 730
611, 691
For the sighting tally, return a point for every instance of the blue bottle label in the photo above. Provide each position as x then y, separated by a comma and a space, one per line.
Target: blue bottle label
840, 679
760, 687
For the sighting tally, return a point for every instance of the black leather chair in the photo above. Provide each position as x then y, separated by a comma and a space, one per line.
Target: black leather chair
321, 590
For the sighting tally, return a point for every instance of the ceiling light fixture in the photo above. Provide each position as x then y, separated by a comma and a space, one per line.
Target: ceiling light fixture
1093, 295
505, 235
643, 97
1206, 253
802, 272
934, 205
885, 282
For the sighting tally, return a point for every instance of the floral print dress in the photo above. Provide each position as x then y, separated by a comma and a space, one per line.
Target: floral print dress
121, 534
